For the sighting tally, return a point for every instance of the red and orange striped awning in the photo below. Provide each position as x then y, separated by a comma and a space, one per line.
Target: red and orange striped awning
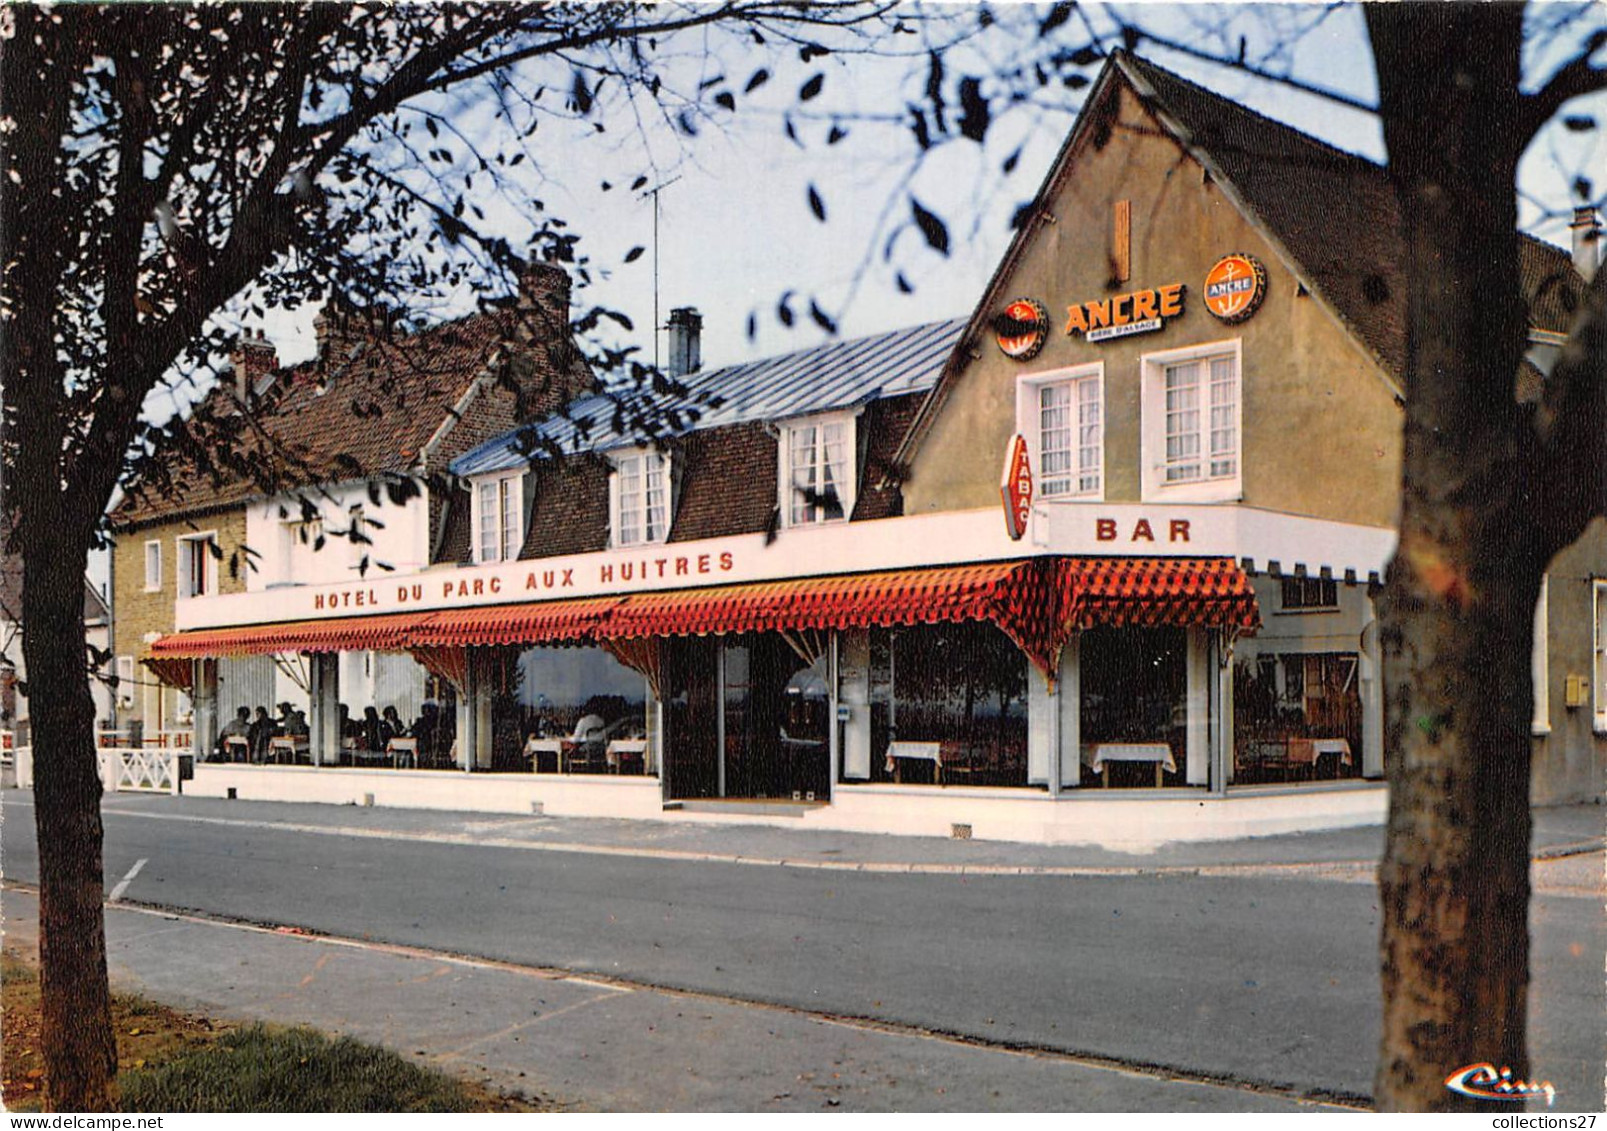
1187, 592
550, 622
1037, 602
344, 634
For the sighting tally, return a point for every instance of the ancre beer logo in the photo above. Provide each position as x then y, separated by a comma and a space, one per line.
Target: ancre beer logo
1022, 329
1235, 287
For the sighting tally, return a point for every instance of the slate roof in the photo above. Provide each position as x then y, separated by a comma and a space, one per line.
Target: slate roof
836, 375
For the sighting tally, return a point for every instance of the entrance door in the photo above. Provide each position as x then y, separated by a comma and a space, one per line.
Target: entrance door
776, 720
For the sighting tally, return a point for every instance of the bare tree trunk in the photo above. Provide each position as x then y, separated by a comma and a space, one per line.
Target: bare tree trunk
1457, 610
79, 1049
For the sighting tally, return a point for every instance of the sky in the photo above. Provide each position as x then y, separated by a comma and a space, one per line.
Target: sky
736, 232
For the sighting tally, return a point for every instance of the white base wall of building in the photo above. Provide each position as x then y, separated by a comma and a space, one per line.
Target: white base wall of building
594, 796
1138, 822
1133, 823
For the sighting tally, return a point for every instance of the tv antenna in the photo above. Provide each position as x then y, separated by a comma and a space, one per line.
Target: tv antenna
653, 192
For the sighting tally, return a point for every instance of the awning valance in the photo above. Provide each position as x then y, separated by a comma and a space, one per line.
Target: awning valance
554, 622
171, 670
1186, 592
343, 634
1018, 596
1037, 602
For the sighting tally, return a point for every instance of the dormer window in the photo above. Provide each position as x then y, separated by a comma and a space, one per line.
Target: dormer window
817, 470
498, 519
641, 497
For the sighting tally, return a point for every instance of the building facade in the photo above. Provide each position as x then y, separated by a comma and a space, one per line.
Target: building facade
1096, 563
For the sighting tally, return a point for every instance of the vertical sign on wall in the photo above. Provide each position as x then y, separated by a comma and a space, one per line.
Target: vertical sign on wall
1016, 487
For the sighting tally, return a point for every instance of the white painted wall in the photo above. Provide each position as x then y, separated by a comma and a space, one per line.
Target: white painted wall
399, 536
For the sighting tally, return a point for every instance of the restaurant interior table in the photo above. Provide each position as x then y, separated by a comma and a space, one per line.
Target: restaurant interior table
401, 750
1306, 751
621, 749
920, 751
1098, 756
237, 748
534, 748
285, 749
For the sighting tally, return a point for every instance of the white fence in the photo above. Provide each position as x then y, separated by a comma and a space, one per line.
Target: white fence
123, 769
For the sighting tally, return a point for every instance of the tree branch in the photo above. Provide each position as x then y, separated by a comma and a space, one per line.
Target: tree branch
1577, 77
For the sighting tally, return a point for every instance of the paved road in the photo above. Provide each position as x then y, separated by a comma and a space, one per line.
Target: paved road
1247, 976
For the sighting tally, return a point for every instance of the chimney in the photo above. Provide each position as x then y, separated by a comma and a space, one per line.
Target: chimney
253, 358
1586, 228
543, 303
341, 325
686, 341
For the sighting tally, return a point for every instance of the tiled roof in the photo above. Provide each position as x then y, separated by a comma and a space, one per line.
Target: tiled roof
833, 376
369, 409
1334, 212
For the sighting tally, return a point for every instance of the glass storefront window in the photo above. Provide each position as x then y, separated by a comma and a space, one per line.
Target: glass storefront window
1297, 716
569, 710
948, 705
1134, 712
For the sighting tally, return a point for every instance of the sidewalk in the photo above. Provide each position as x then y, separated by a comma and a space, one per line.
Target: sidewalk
1558, 831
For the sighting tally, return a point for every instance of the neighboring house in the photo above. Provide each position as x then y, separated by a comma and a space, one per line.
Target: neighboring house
337, 476
1114, 539
13, 669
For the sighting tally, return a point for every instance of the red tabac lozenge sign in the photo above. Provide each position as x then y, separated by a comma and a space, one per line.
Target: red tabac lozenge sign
1016, 487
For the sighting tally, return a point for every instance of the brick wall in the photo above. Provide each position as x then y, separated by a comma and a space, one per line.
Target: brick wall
136, 612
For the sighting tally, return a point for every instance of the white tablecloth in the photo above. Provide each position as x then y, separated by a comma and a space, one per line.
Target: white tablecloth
1096, 754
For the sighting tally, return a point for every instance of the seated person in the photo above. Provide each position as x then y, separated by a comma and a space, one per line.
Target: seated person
237, 727
392, 722
262, 729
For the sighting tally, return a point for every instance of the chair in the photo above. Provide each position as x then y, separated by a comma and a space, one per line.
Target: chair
584, 748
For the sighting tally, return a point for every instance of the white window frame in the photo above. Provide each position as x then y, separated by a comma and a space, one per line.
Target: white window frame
125, 683
1540, 661
1029, 423
509, 518
1598, 595
1152, 457
848, 490
153, 576
619, 537
192, 544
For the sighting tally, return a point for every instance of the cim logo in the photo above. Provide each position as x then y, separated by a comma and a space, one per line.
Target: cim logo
1016, 488
1022, 329
1485, 1082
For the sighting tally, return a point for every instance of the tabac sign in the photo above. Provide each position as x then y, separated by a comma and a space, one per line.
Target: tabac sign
1016, 488
1120, 315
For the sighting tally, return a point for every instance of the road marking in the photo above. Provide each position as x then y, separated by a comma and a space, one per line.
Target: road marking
122, 884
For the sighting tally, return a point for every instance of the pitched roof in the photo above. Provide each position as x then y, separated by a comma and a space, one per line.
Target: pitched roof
1334, 212
836, 375
370, 408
